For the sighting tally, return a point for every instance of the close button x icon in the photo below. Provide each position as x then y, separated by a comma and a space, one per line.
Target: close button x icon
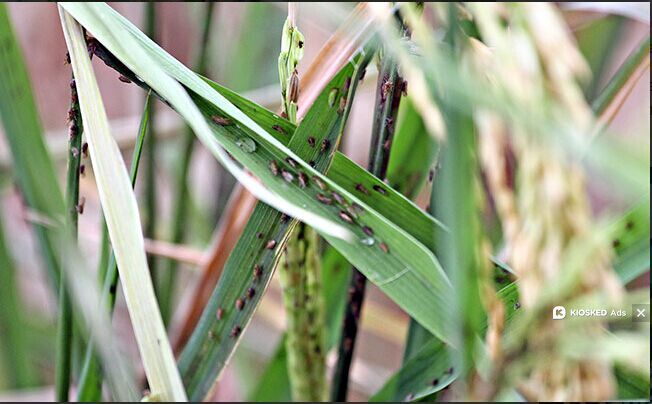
641, 313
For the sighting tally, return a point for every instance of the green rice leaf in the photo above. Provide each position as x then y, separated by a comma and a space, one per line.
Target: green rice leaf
123, 223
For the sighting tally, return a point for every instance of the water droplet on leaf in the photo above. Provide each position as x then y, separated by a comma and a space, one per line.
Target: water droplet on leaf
246, 144
332, 96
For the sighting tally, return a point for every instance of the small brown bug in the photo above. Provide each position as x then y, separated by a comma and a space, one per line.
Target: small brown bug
321, 184
384, 247
435, 382
124, 79
287, 176
82, 170
251, 292
279, 129
236, 331
368, 231
260, 235
80, 205
270, 244
258, 271
389, 123
312, 163
292, 162
352, 211
325, 145
284, 218
324, 199
72, 132
342, 106
220, 120
388, 144
449, 371
293, 88
362, 189
355, 209
74, 151
344, 216
386, 88
517, 306
311, 141
380, 190
85, 149
239, 304
273, 167
303, 180
220, 313
347, 84
338, 198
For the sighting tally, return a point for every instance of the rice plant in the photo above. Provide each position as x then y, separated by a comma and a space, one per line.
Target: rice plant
326, 202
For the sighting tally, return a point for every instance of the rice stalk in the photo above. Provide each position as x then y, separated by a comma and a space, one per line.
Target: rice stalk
389, 90
74, 207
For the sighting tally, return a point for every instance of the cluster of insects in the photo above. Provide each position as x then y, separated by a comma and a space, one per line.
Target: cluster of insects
241, 301
257, 273
74, 117
291, 172
348, 212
